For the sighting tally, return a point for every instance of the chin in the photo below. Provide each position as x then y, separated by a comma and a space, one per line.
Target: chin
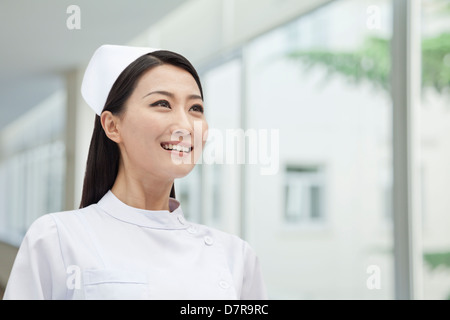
182, 170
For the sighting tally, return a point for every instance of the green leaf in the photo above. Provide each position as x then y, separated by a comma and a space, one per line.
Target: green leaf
372, 62
436, 259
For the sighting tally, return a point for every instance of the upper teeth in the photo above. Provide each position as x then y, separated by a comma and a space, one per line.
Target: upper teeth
176, 147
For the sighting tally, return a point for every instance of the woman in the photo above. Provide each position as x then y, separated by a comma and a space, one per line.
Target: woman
129, 239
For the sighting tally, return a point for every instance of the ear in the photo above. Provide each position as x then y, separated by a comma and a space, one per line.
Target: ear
111, 125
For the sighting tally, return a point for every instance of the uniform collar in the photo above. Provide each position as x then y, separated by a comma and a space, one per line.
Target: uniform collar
158, 219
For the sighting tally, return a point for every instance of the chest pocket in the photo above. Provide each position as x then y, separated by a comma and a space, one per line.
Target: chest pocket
115, 285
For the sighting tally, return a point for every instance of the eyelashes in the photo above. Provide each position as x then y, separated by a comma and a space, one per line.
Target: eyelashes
198, 108
161, 103
166, 104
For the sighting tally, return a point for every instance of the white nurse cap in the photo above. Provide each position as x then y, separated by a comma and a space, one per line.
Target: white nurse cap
105, 66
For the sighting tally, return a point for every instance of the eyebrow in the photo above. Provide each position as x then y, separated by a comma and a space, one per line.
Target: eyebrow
171, 95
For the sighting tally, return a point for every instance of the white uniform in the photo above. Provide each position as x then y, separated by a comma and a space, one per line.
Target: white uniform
110, 250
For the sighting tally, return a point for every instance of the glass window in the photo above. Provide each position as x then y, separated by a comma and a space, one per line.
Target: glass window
322, 81
304, 195
222, 158
32, 167
187, 191
435, 148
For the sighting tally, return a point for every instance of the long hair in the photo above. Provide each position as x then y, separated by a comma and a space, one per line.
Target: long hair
103, 158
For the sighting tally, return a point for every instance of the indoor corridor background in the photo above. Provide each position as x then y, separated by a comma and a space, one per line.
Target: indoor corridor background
342, 108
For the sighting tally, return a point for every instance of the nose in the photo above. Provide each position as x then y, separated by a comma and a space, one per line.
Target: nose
181, 127
180, 133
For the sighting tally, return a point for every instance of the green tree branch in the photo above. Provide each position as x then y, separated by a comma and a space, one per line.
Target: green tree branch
372, 62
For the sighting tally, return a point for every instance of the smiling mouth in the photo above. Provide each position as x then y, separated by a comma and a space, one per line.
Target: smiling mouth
174, 146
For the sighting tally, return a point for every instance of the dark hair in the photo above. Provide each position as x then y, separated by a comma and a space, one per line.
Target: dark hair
104, 154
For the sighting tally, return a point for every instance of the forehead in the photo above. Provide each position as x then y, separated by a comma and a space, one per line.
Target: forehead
169, 78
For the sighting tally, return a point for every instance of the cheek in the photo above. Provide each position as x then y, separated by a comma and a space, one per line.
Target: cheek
140, 132
201, 131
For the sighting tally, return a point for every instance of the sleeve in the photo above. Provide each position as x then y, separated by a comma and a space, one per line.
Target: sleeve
38, 271
253, 286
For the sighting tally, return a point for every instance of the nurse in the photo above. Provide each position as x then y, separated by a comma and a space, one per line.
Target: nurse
129, 238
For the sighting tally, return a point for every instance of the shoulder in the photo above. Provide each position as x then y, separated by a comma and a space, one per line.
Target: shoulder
72, 218
50, 223
40, 229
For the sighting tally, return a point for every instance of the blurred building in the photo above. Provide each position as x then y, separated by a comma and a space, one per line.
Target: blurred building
301, 92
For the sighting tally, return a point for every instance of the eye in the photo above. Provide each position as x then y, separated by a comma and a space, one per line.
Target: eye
161, 103
197, 108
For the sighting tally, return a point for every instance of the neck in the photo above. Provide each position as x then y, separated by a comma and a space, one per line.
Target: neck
140, 191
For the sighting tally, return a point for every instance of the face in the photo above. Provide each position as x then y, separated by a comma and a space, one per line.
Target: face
162, 130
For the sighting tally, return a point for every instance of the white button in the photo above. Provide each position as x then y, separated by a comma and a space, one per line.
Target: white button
192, 229
224, 284
181, 219
208, 240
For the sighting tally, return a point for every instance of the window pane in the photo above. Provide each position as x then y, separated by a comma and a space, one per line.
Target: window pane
294, 201
32, 167
322, 81
304, 198
315, 194
435, 148
220, 162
